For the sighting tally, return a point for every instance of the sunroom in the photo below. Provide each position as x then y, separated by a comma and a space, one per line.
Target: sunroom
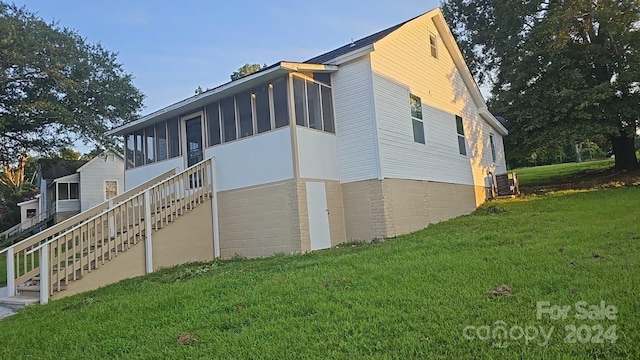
245, 124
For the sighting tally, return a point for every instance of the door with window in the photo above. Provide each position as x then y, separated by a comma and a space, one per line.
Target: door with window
193, 139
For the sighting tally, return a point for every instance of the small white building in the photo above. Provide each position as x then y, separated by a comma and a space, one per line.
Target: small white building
70, 187
377, 138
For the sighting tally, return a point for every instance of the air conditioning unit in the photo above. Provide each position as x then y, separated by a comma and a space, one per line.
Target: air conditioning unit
506, 185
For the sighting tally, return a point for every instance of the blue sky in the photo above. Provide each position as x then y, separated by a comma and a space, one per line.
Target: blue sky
172, 47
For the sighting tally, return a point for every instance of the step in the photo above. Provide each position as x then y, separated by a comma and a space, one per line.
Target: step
17, 302
32, 289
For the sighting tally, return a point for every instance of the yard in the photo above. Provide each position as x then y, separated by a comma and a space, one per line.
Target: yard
436, 293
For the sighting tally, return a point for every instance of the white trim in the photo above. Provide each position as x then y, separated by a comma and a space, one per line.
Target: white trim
182, 122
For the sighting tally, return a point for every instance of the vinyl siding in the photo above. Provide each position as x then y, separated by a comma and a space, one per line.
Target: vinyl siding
402, 64
354, 113
92, 178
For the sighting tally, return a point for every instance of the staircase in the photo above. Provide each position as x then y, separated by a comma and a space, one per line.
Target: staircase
46, 263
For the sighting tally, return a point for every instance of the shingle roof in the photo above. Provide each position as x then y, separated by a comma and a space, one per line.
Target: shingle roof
55, 168
358, 44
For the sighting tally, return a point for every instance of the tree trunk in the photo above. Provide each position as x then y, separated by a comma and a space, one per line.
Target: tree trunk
625, 152
578, 148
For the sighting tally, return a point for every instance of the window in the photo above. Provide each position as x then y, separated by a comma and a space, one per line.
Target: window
462, 147
493, 147
31, 213
139, 138
161, 141
433, 42
327, 110
130, 151
299, 95
173, 136
280, 102
416, 119
150, 145
227, 108
110, 189
213, 124
313, 104
68, 191
263, 108
243, 102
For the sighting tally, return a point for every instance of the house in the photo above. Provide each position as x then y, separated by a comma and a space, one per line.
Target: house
68, 187
378, 138
375, 139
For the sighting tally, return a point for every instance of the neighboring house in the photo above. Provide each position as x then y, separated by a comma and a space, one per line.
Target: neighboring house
375, 139
68, 187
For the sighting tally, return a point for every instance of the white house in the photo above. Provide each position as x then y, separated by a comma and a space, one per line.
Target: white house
378, 138
70, 187
375, 139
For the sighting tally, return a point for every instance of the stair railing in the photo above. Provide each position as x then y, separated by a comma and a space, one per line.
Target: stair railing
87, 246
22, 262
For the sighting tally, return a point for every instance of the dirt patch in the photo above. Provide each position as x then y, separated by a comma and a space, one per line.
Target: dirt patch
500, 291
186, 338
591, 179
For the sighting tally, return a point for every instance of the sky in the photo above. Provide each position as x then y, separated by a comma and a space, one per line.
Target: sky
173, 47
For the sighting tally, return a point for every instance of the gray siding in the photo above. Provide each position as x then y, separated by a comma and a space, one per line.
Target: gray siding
93, 176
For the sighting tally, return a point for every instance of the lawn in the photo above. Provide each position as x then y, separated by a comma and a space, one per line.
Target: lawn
549, 174
408, 297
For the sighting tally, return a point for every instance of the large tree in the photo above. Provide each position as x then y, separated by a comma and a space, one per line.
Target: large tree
55, 87
559, 71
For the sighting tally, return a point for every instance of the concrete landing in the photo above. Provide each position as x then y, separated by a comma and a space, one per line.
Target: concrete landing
15, 302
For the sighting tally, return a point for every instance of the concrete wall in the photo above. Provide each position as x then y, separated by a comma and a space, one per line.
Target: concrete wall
260, 220
189, 238
377, 209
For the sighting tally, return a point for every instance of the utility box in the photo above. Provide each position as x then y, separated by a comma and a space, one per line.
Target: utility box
506, 185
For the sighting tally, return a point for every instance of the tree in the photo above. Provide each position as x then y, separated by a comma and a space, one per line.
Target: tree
246, 69
560, 71
55, 88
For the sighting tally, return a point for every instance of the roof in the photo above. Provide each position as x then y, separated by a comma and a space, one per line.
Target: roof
55, 168
314, 64
355, 45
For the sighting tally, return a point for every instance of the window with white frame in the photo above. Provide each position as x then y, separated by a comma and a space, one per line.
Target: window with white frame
433, 43
462, 144
492, 143
416, 119
31, 213
110, 189
68, 191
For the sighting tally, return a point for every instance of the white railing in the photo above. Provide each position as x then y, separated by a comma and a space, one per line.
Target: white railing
23, 264
87, 246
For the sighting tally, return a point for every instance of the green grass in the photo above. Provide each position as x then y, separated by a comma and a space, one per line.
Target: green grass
407, 298
549, 174
3, 270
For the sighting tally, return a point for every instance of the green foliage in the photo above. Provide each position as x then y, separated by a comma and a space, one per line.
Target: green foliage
561, 72
246, 69
3, 270
406, 298
67, 154
55, 87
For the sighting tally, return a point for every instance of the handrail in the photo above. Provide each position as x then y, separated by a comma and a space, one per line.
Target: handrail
90, 244
52, 231
128, 199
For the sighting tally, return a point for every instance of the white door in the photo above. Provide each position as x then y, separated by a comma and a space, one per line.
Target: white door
318, 216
